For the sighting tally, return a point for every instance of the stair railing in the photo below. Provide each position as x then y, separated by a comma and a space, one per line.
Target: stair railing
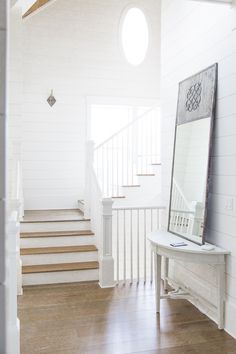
131, 251
128, 153
178, 199
185, 217
121, 232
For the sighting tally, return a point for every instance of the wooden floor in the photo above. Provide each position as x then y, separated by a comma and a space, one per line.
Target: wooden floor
84, 319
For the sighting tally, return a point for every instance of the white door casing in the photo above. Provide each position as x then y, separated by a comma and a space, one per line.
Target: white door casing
3, 43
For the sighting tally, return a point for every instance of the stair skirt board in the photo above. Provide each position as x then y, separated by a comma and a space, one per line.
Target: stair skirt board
60, 277
52, 226
54, 258
36, 242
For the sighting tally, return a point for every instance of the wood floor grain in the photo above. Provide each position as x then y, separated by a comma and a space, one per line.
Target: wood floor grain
85, 319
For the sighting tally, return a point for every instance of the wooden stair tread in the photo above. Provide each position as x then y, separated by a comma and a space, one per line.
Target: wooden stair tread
62, 249
118, 196
45, 268
52, 220
145, 174
56, 233
131, 185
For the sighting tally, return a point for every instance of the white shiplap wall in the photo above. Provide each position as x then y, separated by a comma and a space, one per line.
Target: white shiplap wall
73, 47
194, 36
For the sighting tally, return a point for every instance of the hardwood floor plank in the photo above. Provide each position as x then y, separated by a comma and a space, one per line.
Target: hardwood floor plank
85, 319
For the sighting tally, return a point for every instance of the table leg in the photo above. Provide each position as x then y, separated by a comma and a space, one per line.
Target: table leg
220, 295
157, 260
166, 271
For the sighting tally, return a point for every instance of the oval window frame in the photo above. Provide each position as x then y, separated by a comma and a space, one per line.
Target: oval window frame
121, 23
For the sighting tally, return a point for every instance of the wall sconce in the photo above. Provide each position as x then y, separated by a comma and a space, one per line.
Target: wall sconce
51, 99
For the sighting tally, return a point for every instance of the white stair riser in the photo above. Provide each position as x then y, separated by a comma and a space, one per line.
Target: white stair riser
55, 258
55, 226
156, 169
60, 277
57, 241
149, 186
148, 183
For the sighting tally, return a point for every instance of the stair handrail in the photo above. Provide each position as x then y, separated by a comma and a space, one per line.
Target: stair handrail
126, 126
127, 153
186, 202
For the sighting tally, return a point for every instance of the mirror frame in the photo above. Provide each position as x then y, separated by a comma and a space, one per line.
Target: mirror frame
207, 112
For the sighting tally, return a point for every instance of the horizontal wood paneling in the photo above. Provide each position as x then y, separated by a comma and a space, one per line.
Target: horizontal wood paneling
195, 35
73, 47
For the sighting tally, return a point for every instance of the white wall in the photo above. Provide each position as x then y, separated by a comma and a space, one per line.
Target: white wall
3, 35
15, 87
73, 47
194, 36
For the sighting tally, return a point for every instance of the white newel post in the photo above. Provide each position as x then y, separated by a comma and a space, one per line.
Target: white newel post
89, 169
106, 266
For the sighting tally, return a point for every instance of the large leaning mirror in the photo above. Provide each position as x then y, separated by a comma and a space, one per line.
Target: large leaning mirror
191, 158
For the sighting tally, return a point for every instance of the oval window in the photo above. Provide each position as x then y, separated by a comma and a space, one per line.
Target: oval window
134, 36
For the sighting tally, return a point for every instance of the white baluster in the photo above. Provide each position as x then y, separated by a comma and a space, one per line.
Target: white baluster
131, 246
124, 234
151, 252
117, 247
112, 168
138, 272
117, 166
145, 244
89, 169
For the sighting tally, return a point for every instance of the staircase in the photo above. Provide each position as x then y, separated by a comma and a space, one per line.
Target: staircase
57, 247
145, 192
122, 199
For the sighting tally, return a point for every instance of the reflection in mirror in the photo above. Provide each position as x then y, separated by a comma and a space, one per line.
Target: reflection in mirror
190, 171
189, 179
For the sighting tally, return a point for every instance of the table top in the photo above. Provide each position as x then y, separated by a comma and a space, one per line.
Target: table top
165, 238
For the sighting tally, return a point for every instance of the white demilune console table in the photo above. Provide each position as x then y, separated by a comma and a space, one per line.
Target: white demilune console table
193, 253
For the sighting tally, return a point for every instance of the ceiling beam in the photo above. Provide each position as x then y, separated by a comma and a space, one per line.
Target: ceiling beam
36, 6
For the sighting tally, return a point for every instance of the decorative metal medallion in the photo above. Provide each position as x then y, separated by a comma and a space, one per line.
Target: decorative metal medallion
194, 97
51, 99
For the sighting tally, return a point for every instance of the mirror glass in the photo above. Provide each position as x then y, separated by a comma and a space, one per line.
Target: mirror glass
190, 171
